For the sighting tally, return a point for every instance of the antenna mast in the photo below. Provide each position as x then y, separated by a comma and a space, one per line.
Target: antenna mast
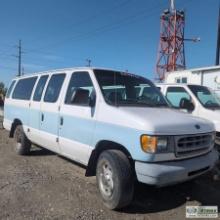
172, 5
171, 53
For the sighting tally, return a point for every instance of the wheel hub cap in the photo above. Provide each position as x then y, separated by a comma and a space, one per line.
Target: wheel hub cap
106, 180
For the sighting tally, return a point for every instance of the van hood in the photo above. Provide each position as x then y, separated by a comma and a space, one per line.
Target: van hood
165, 121
213, 116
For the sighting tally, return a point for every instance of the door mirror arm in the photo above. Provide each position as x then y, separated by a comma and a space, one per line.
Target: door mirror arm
92, 100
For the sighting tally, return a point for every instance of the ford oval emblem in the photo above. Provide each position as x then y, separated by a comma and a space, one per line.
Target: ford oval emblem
197, 126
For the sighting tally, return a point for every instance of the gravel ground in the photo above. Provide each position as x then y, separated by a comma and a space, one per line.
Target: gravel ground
46, 186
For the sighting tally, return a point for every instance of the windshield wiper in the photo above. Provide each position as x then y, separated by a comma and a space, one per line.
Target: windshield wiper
212, 106
134, 102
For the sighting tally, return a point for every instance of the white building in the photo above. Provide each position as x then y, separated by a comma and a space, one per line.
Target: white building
207, 76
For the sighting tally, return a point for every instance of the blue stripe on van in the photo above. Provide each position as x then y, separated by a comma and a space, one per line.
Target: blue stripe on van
12, 112
82, 130
77, 129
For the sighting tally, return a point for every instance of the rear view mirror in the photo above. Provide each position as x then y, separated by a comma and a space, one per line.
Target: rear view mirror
80, 97
186, 104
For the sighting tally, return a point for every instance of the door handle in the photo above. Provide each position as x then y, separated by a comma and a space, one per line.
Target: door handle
42, 117
61, 120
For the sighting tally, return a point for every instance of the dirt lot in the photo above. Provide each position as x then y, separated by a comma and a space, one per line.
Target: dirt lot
46, 186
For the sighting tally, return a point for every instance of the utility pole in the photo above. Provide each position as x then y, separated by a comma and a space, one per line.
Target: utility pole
88, 62
20, 52
19, 57
218, 41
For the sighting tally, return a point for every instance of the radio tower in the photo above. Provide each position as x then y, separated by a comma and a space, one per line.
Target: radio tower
171, 54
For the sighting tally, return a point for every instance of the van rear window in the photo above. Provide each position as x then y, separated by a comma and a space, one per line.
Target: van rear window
10, 89
40, 87
24, 88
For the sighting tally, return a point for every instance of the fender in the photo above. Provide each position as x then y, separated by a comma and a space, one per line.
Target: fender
100, 147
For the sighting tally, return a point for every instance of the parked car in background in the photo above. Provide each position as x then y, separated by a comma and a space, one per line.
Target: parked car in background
117, 124
195, 99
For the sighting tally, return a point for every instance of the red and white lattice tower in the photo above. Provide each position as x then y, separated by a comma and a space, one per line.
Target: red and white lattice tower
171, 54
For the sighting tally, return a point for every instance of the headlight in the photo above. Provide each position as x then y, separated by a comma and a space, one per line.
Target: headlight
153, 144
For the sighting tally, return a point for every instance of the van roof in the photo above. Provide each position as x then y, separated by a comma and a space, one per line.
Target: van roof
63, 70
177, 84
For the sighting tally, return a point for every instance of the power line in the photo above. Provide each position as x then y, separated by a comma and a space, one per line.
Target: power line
127, 20
7, 67
96, 15
105, 28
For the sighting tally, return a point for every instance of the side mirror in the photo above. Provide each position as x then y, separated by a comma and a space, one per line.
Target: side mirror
186, 104
80, 97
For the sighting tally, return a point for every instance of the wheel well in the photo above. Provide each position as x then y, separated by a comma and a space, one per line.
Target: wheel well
100, 147
15, 123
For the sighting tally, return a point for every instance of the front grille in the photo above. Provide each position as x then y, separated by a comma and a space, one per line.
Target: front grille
191, 145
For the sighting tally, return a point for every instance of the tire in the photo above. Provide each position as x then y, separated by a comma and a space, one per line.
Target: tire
22, 144
114, 176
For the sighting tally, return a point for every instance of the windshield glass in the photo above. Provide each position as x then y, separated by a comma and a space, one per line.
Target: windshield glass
206, 97
124, 89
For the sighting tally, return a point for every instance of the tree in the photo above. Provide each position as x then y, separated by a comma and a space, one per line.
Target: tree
3, 89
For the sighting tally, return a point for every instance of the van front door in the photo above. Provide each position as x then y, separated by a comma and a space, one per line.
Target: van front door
177, 94
77, 121
49, 115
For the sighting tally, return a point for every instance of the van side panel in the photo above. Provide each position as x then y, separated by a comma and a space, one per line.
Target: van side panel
76, 132
17, 110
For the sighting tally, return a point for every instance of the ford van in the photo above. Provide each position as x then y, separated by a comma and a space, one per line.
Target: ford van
98, 118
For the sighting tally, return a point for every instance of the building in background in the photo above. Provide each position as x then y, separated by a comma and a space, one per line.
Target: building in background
206, 76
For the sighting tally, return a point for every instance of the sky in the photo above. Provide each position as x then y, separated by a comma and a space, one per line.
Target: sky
122, 34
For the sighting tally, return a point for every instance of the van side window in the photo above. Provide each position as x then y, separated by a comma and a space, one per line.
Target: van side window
79, 80
24, 88
176, 94
10, 89
54, 87
40, 87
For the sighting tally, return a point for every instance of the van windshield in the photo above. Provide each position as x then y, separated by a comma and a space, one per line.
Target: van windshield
125, 89
206, 97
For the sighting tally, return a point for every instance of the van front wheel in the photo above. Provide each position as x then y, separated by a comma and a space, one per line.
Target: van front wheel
115, 180
22, 144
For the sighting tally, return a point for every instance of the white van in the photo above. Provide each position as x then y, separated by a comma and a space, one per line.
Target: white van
96, 117
195, 99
